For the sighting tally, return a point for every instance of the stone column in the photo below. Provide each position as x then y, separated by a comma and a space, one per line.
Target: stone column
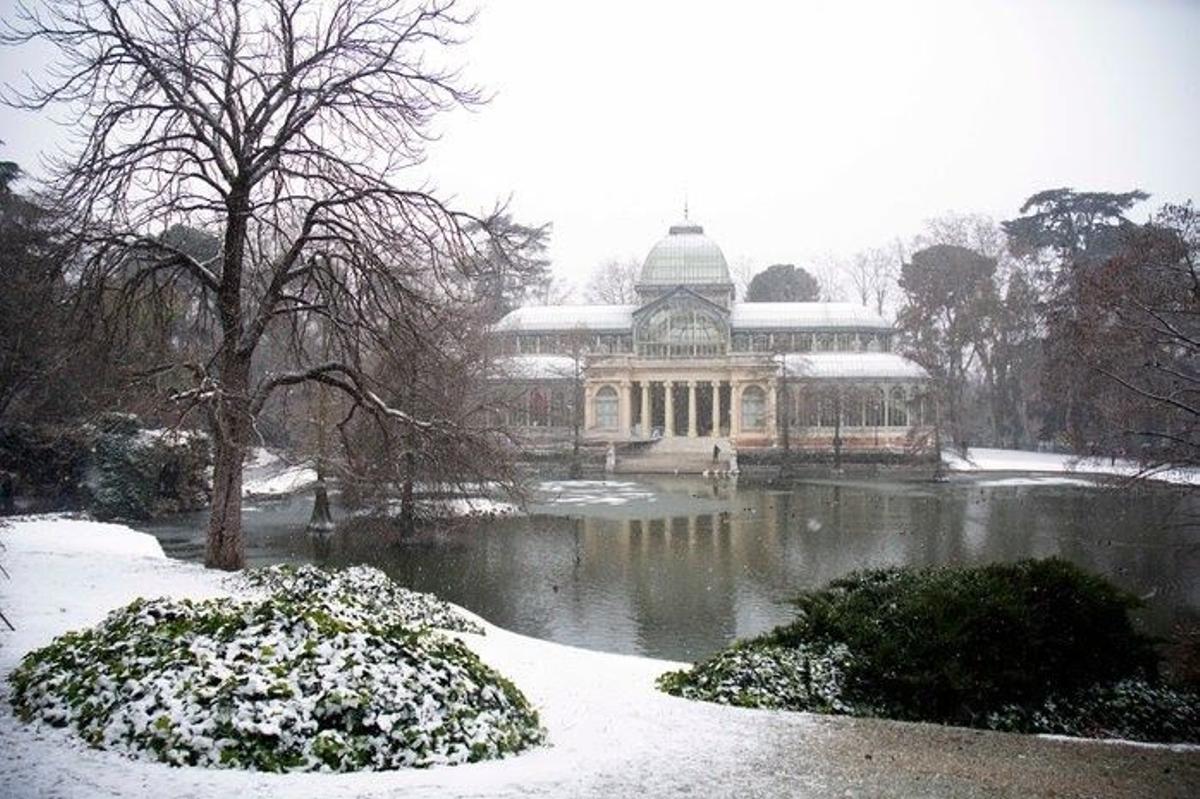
625, 407
772, 420
669, 408
692, 431
716, 407
589, 407
645, 409
735, 408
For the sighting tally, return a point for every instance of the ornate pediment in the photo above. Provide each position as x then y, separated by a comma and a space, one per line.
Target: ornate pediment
681, 324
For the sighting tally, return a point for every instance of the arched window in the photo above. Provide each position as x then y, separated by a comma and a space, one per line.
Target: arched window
928, 414
754, 408
681, 328
874, 408
520, 410
811, 413
606, 408
852, 408
539, 408
828, 410
558, 408
897, 408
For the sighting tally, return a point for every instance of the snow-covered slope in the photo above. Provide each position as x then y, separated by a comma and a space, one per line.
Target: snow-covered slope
610, 732
982, 459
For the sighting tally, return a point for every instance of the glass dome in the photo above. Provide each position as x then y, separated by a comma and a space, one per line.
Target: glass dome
685, 256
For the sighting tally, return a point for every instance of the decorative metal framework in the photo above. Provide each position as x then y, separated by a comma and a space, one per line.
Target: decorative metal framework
681, 326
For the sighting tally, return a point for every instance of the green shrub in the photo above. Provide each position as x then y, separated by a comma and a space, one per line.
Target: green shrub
1034, 646
47, 460
139, 474
360, 594
1131, 709
273, 685
952, 644
753, 674
114, 468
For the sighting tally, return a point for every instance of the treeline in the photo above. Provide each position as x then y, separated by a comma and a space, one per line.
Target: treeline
1068, 325
135, 334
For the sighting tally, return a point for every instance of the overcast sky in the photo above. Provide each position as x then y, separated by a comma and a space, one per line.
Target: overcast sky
797, 128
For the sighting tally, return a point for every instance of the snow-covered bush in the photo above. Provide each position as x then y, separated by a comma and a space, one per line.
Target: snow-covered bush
1034, 646
357, 595
138, 474
273, 684
769, 676
1133, 709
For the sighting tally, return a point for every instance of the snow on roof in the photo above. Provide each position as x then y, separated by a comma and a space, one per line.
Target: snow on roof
536, 367
757, 315
567, 317
884, 365
744, 316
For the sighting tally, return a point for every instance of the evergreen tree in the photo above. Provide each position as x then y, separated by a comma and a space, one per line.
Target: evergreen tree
783, 283
1068, 234
948, 298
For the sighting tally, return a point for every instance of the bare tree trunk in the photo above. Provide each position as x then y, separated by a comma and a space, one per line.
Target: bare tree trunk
231, 432
408, 516
321, 520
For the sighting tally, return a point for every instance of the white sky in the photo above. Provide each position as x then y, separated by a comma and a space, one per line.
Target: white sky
800, 128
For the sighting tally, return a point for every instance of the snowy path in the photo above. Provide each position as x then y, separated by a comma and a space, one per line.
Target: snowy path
611, 733
984, 459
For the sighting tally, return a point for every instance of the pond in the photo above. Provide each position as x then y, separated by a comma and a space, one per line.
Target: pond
677, 568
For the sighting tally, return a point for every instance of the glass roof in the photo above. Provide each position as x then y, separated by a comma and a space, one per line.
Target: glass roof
685, 257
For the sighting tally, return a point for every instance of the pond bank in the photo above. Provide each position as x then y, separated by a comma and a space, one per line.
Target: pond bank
611, 733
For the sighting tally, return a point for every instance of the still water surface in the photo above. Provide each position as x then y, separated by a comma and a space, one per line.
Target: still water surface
678, 568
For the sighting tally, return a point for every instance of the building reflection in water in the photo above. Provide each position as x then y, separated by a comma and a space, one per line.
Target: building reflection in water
691, 566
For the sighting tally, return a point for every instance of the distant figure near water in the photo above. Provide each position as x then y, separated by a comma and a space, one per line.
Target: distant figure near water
716, 453
610, 459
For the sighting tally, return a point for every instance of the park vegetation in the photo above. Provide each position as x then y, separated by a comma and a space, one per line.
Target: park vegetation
317, 671
258, 234
249, 261
1033, 646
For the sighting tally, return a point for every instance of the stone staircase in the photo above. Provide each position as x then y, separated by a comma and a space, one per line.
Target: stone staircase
675, 455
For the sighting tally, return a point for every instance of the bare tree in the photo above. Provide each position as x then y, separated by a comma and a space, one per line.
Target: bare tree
977, 232
436, 365
1139, 330
830, 272
551, 289
612, 282
742, 271
283, 127
872, 274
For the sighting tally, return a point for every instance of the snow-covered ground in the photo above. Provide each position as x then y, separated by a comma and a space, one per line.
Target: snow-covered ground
610, 732
982, 459
267, 475
449, 507
592, 492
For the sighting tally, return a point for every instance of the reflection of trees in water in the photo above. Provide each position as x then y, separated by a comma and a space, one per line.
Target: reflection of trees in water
681, 585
